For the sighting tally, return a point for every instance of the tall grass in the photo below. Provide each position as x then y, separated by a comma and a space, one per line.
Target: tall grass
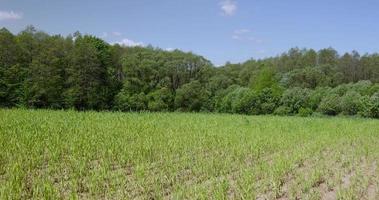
91, 155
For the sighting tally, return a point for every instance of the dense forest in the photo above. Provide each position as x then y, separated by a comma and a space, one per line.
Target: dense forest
83, 72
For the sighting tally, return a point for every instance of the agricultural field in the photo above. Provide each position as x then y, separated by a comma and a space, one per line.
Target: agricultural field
103, 155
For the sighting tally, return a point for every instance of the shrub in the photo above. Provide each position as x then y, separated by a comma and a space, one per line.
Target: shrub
340, 90
247, 102
160, 100
374, 110
330, 104
305, 112
269, 100
236, 100
366, 105
351, 103
362, 87
373, 89
295, 98
223, 99
282, 110
191, 96
228, 100
316, 96
127, 102
371, 106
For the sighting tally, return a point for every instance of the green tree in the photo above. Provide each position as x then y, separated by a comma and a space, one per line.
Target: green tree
328, 56
46, 76
295, 98
87, 76
351, 103
330, 104
191, 97
12, 72
160, 100
266, 79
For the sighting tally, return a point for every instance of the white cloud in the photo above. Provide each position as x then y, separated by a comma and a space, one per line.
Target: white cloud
10, 15
228, 7
129, 43
262, 51
240, 34
116, 33
245, 35
170, 49
104, 35
242, 31
253, 39
236, 37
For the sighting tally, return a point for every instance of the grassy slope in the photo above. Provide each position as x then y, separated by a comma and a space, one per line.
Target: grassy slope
56, 154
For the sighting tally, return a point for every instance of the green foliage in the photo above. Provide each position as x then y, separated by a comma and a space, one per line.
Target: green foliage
38, 70
370, 106
330, 104
266, 79
12, 73
130, 102
42, 92
191, 97
316, 96
160, 100
248, 103
282, 110
309, 77
305, 112
269, 99
234, 102
223, 99
328, 56
351, 103
295, 98
86, 77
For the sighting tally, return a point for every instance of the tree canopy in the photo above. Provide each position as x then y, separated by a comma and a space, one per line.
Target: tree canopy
83, 72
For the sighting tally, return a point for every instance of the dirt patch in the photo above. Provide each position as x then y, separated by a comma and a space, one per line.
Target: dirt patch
372, 189
371, 192
346, 180
327, 194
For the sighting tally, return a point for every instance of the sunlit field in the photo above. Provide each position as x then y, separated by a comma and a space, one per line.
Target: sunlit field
100, 155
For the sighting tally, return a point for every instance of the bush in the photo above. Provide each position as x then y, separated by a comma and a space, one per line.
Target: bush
223, 99
373, 89
362, 87
269, 100
282, 110
305, 112
370, 106
330, 104
247, 103
127, 102
228, 100
351, 103
160, 100
340, 90
295, 98
316, 97
252, 103
374, 109
236, 100
191, 96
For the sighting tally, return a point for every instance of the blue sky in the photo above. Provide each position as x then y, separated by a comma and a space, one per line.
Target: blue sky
220, 30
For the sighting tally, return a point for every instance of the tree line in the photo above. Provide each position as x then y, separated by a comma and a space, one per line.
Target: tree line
83, 72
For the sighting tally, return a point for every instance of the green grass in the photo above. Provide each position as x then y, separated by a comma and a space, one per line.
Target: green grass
93, 155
